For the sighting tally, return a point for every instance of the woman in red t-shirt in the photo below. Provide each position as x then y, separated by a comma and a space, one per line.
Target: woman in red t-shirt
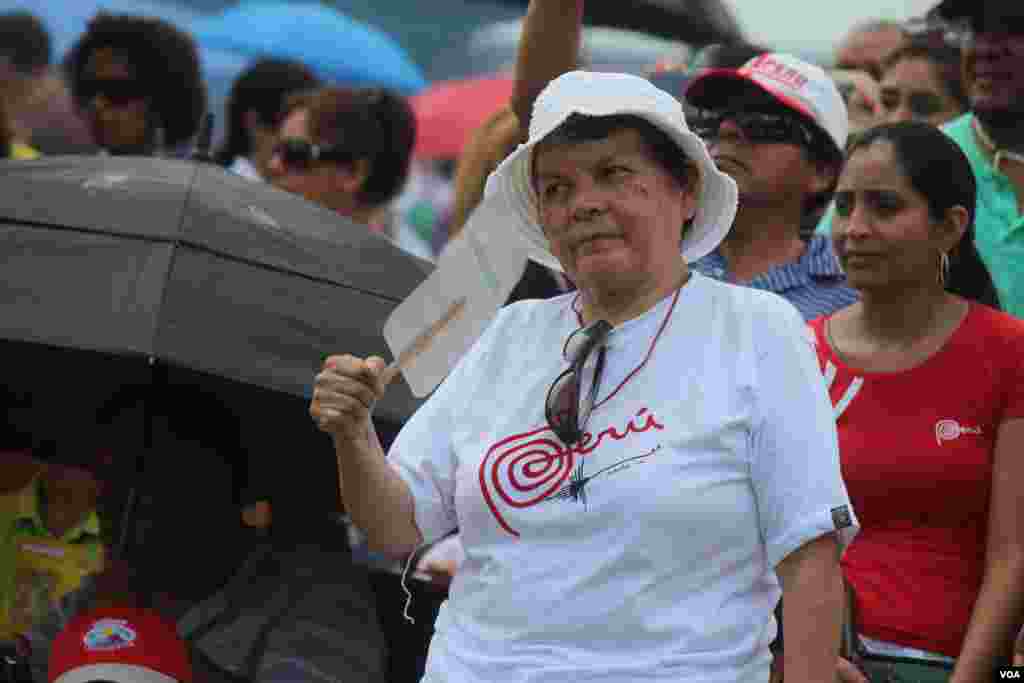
928, 388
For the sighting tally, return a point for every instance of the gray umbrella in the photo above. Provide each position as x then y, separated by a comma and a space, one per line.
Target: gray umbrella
187, 265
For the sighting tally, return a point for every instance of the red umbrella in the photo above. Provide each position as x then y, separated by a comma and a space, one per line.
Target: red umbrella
449, 111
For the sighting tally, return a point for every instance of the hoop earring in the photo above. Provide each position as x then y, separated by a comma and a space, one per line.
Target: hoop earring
943, 268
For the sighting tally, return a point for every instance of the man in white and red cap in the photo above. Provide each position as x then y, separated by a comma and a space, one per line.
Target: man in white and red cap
777, 126
119, 645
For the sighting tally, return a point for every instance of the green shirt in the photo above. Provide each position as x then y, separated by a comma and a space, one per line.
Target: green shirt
59, 562
998, 222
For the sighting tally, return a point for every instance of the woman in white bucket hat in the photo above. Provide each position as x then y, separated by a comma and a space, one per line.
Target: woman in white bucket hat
628, 465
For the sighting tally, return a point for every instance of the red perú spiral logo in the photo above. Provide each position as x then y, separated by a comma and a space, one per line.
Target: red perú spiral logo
522, 470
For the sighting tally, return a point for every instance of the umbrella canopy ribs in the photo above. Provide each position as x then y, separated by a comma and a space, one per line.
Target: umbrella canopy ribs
188, 265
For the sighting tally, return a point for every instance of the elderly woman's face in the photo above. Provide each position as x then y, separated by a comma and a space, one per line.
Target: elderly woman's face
609, 209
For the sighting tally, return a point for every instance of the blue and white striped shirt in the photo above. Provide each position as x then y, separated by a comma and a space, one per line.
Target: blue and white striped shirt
814, 284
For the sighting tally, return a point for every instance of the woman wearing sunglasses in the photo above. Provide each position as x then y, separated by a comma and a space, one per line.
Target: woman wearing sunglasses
639, 469
928, 388
137, 83
346, 149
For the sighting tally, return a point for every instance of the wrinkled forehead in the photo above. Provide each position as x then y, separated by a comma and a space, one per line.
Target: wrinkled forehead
555, 148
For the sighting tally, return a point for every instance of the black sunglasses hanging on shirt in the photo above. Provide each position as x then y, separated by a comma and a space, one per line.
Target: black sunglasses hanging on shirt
562, 406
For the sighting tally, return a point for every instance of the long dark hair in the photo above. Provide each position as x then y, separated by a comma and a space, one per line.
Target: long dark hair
938, 170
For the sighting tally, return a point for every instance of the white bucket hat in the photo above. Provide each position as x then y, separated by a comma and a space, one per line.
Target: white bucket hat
606, 94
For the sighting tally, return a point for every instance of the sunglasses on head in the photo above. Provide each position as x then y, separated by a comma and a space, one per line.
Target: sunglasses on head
757, 127
301, 154
562, 406
119, 91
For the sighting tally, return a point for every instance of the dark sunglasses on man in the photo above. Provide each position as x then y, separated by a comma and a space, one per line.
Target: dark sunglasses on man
298, 154
118, 91
757, 127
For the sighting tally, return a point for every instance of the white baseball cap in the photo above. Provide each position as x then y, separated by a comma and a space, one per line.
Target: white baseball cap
802, 87
606, 94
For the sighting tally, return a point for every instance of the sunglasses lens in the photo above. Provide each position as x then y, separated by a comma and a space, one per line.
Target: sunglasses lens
294, 153
757, 127
562, 408
706, 123
575, 345
119, 91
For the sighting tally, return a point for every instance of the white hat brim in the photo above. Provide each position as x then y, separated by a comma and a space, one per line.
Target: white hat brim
510, 185
119, 673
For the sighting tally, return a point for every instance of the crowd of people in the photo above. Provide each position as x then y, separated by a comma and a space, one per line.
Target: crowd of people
752, 413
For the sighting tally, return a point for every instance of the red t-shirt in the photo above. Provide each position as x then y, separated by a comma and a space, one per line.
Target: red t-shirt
917, 451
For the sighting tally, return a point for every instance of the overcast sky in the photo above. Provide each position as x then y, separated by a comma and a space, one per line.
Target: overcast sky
814, 26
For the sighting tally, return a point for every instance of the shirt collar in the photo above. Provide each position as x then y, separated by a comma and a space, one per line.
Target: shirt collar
818, 262
821, 261
980, 160
28, 513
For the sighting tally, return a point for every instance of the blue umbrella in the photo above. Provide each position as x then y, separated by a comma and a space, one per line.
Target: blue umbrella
338, 48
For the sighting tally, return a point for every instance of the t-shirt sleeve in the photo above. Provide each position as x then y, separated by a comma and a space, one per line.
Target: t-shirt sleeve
423, 453
795, 451
1013, 394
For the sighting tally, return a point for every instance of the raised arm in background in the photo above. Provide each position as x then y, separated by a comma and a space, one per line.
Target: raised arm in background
487, 146
549, 46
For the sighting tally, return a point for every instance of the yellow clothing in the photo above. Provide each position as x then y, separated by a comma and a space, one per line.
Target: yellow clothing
22, 152
37, 568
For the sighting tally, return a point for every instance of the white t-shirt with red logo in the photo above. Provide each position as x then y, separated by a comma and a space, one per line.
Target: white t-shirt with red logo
703, 469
